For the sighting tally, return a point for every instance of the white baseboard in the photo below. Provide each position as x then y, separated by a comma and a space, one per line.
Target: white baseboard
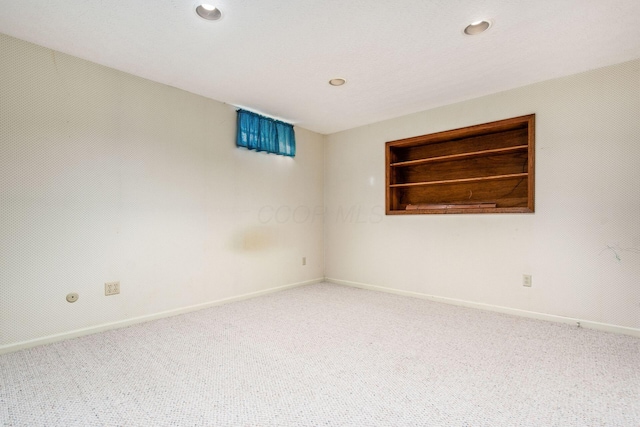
499, 309
142, 319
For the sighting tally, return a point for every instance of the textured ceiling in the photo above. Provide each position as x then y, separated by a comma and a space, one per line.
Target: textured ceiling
276, 56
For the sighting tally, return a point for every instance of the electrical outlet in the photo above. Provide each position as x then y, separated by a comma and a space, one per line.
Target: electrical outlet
111, 288
526, 280
304, 260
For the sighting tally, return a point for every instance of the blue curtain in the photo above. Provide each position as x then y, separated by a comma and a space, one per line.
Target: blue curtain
260, 133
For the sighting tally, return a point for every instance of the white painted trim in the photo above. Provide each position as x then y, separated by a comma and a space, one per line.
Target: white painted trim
142, 319
496, 308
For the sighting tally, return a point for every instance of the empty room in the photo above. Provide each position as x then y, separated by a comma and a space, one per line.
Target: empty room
319, 213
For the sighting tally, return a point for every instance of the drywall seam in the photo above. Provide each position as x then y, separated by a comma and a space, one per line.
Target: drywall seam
147, 318
606, 327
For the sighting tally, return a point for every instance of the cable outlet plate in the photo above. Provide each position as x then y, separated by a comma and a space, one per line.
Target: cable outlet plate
111, 288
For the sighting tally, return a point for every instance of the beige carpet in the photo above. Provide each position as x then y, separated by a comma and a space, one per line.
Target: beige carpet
328, 355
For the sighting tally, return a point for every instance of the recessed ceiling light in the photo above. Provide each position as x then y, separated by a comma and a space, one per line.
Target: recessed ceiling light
208, 12
477, 27
337, 82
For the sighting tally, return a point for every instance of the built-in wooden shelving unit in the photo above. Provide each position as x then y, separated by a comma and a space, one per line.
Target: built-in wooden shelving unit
486, 168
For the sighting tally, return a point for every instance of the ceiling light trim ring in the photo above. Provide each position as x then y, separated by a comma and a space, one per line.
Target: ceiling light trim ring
477, 27
208, 12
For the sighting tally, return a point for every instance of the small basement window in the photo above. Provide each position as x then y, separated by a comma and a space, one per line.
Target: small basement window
487, 168
260, 133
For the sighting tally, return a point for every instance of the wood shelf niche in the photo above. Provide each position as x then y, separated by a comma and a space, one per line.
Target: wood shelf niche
487, 168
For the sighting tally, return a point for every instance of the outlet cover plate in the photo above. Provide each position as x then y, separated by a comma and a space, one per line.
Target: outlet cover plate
111, 288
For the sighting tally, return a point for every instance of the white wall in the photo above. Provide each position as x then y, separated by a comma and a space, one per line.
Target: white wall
105, 176
587, 198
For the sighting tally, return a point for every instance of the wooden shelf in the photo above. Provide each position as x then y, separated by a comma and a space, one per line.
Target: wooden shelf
454, 211
461, 156
457, 181
487, 168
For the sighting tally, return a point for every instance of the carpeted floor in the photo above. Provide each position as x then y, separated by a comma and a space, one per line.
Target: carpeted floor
328, 355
